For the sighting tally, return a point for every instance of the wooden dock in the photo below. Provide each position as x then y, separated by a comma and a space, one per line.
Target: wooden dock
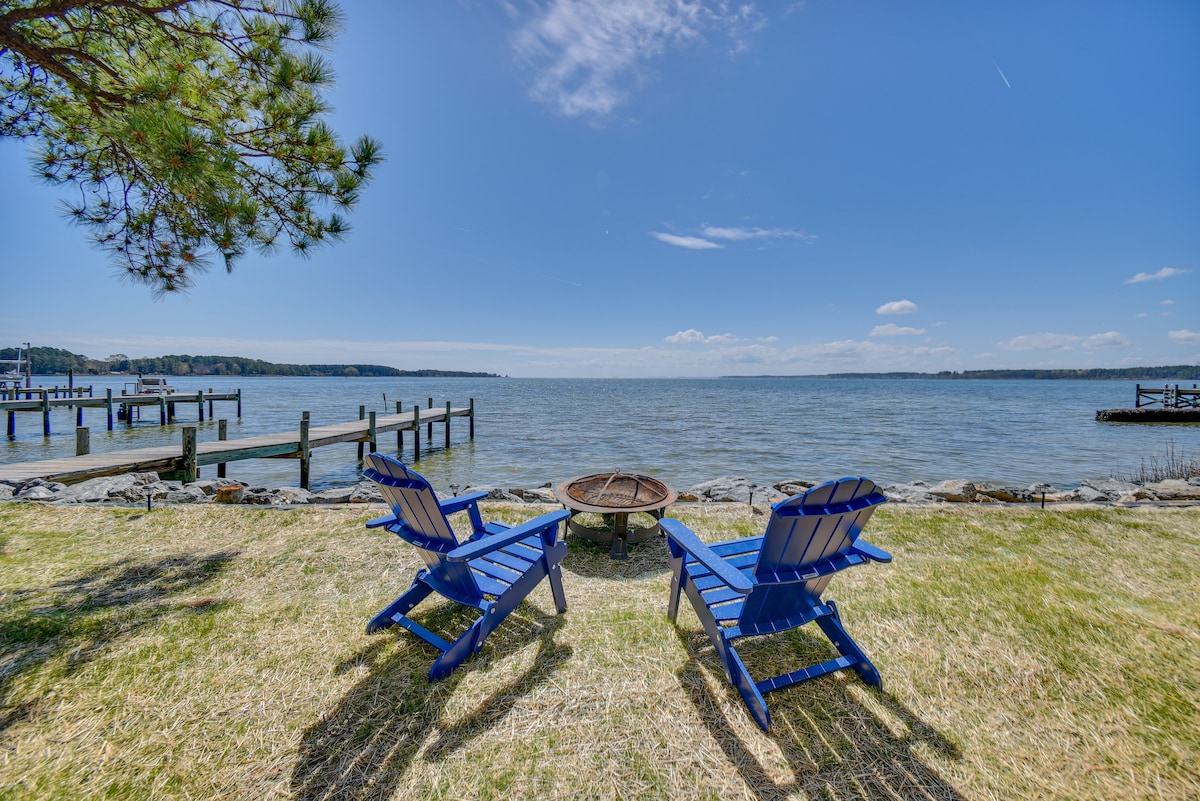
184, 460
1170, 404
125, 405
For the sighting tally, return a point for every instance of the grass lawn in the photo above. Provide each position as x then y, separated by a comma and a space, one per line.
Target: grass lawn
218, 652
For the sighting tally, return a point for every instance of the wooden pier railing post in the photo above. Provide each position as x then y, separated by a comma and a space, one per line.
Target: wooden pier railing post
416, 432
399, 432
108, 406
362, 413
447, 425
304, 454
429, 425
190, 472
471, 417
200, 404
372, 440
83, 443
222, 435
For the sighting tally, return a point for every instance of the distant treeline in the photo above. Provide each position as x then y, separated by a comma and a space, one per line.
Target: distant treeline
55, 361
1179, 372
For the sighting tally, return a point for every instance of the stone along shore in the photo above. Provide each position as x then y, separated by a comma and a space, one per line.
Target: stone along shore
148, 488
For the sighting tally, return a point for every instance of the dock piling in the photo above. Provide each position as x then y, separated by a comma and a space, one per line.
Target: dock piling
399, 432
45, 414
362, 414
304, 454
447, 425
429, 425
190, 471
471, 418
416, 432
108, 406
371, 438
83, 443
222, 435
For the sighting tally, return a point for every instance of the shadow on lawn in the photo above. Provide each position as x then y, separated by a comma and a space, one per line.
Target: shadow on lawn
361, 748
81, 617
835, 745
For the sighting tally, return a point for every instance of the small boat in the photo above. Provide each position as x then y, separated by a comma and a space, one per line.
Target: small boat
18, 369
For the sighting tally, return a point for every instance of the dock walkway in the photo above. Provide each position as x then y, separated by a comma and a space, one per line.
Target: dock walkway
186, 458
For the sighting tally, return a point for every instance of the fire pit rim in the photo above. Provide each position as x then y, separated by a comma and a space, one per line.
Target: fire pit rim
577, 505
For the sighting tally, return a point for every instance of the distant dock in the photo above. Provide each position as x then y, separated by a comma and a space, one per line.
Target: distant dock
184, 460
122, 407
1168, 404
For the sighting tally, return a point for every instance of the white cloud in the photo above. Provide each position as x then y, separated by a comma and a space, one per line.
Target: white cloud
587, 56
1027, 342
1184, 336
893, 330
689, 242
768, 339
1168, 303
1165, 272
897, 307
738, 234
1109, 339
692, 335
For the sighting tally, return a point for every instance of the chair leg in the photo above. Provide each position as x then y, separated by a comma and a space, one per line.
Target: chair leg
457, 653
402, 605
553, 561
748, 689
832, 626
678, 579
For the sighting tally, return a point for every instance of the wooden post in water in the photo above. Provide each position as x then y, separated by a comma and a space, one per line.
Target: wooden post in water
304, 454
83, 444
200, 404
162, 411
429, 425
171, 411
108, 406
362, 413
222, 433
447, 425
471, 417
371, 438
210, 405
399, 432
190, 473
239, 404
78, 415
12, 424
46, 414
416, 432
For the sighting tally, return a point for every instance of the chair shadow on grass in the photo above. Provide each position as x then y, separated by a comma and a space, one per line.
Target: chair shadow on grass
839, 738
79, 618
362, 747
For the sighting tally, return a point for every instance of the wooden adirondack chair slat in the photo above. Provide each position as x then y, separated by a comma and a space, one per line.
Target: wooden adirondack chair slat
469, 572
809, 538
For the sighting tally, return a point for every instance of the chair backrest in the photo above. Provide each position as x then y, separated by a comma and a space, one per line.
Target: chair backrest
423, 524
803, 530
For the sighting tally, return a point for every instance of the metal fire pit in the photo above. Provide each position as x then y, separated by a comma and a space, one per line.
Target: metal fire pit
619, 495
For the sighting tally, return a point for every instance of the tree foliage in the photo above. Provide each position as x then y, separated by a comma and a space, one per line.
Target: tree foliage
192, 129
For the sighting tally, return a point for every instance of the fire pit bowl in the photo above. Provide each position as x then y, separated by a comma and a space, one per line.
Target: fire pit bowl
619, 495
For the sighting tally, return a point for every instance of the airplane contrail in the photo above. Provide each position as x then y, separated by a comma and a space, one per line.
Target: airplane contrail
1002, 76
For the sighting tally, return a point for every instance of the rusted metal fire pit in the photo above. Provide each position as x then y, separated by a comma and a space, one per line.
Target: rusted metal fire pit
619, 495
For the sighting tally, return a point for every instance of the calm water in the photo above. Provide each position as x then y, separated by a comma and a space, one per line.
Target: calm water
533, 431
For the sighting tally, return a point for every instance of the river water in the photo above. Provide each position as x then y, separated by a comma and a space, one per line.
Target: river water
530, 432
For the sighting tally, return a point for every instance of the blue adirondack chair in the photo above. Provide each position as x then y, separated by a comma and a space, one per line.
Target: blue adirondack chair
773, 583
493, 570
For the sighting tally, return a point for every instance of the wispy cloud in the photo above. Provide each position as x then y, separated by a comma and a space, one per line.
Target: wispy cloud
1003, 77
1065, 342
1184, 336
893, 330
897, 307
689, 242
692, 335
709, 233
738, 234
588, 56
1165, 272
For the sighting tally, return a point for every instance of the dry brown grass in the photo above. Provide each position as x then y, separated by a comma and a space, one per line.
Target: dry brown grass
218, 652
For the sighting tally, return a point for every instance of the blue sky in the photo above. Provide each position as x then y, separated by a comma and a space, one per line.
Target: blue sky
669, 188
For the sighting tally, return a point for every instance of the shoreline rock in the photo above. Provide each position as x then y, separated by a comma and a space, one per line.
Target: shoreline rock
142, 488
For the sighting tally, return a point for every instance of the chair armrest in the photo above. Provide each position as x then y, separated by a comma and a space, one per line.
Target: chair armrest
381, 521
870, 551
683, 537
460, 502
491, 542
